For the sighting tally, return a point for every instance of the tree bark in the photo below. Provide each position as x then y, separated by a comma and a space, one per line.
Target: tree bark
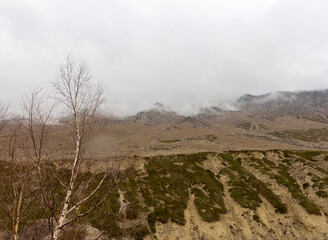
63, 214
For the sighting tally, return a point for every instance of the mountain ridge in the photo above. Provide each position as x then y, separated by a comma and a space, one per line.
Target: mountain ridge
311, 105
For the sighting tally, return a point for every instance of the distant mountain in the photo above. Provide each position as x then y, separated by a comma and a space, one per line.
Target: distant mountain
210, 112
157, 115
311, 105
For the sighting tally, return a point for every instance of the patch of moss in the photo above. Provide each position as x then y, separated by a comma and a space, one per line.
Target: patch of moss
105, 216
305, 185
243, 194
308, 155
259, 164
170, 141
312, 164
130, 188
271, 164
286, 154
321, 170
319, 183
163, 192
283, 177
167, 185
256, 218
244, 125
206, 206
138, 232
286, 179
322, 194
309, 135
245, 186
210, 138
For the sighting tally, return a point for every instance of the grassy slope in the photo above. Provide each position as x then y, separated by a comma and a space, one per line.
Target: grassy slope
161, 193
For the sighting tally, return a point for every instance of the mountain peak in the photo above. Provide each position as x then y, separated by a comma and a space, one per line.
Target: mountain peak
161, 107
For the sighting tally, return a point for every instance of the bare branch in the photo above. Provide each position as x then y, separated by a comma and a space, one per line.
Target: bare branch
89, 196
82, 100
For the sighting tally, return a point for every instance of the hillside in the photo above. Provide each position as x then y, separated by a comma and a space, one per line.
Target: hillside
310, 105
284, 120
231, 195
256, 171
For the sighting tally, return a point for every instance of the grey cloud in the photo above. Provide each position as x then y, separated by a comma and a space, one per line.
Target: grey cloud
184, 54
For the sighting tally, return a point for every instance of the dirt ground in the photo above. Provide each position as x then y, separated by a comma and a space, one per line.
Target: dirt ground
230, 131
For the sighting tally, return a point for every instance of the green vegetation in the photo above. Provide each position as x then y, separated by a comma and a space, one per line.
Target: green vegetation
16, 175
319, 184
308, 155
161, 192
171, 179
320, 169
245, 187
285, 179
104, 217
256, 218
282, 176
244, 125
73, 233
169, 182
130, 190
241, 192
322, 194
310, 135
211, 138
305, 185
170, 141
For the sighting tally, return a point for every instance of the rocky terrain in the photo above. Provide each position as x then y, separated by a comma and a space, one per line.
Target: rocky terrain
264, 195
311, 105
292, 122
283, 120
257, 172
272, 194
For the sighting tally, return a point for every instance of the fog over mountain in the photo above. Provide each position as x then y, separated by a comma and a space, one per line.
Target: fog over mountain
184, 54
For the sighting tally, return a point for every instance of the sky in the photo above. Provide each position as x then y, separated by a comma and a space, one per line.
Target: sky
185, 54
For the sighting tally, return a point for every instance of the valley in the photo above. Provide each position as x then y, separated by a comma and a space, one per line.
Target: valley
259, 172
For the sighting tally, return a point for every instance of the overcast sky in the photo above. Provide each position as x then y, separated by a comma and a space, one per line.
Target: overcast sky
182, 53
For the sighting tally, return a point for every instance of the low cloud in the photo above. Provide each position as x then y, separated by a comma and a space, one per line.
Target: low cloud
183, 54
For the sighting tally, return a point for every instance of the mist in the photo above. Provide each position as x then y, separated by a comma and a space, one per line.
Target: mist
183, 54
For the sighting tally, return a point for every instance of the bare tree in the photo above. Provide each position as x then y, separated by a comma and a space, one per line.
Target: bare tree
16, 185
81, 191
3, 116
37, 121
82, 100
17, 188
16, 177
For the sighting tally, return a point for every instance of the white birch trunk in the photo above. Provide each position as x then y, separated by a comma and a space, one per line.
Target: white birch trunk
18, 211
63, 214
